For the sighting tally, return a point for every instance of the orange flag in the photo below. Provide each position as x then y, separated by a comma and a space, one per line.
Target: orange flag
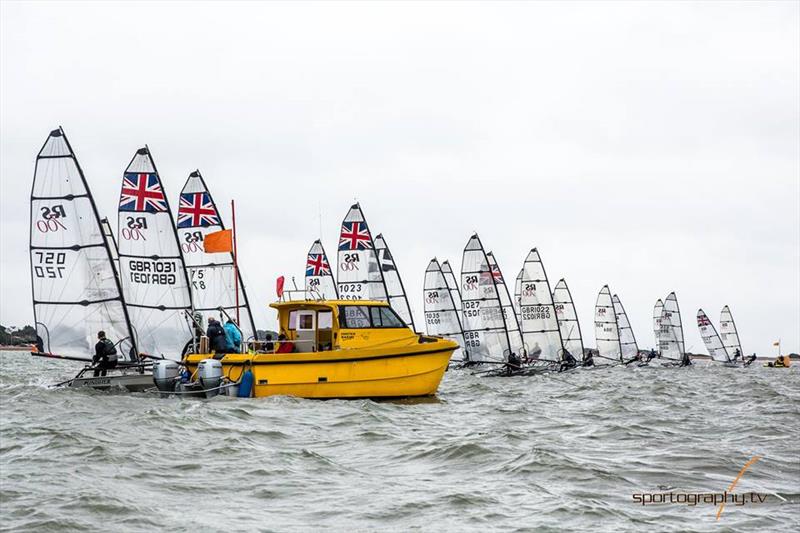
219, 241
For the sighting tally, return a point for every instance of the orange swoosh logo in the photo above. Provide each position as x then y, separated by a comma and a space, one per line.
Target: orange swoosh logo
747, 465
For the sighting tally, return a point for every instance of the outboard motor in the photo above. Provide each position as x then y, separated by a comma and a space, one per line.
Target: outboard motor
165, 374
209, 372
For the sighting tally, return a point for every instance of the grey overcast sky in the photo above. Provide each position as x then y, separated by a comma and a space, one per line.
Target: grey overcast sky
651, 146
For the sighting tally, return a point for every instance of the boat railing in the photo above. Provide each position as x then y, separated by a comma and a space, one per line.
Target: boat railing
299, 295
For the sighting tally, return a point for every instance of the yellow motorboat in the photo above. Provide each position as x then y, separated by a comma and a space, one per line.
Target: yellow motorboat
340, 349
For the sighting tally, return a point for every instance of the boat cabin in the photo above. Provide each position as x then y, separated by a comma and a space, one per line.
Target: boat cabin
319, 326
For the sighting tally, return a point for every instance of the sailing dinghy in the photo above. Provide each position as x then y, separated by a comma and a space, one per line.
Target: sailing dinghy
486, 336
712, 340
154, 278
396, 293
319, 277
729, 335
671, 334
215, 279
442, 316
568, 320
606, 329
541, 334
627, 340
76, 288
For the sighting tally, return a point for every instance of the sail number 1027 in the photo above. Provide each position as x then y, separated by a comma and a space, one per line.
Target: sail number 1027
50, 264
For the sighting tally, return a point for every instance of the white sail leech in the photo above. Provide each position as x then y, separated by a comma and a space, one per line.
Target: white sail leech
452, 283
358, 275
485, 335
442, 317
729, 335
319, 277
711, 339
394, 284
541, 334
152, 270
517, 292
672, 344
606, 330
567, 318
211, 275
76, 290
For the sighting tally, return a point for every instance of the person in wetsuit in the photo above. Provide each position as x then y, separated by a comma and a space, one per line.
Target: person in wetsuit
567, 361
685, 360
513, 363
588, 359
105, 355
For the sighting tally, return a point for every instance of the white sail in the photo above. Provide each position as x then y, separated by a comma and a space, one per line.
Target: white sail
510, 317
672, 345
485, 335
358, 275
541, 333
212, 276
606, 331
319, 277
657, 310
517, 293
711, 339
394, 284
729, 335
442, 317
452, 283
568, 320
152, 271
76, 290
627, 340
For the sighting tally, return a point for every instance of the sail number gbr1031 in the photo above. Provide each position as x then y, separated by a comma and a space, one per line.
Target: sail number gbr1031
51, 264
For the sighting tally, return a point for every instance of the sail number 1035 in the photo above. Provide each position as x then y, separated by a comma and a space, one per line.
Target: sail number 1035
50, 264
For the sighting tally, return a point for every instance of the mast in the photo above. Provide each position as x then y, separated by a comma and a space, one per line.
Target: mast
728, 333
392, 278
711, 338
627, 326
562, 286
506, 304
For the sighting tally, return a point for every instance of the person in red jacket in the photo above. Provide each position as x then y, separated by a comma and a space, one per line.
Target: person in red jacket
284, 346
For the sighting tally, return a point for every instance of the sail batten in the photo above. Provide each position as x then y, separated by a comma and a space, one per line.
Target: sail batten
567, 317
76, 290
541, 333
213, 277
442, 317
152, 270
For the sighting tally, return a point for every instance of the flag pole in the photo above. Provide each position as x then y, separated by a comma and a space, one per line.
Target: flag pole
235, 262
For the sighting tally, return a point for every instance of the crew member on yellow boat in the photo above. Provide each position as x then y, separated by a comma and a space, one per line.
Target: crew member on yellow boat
284, 345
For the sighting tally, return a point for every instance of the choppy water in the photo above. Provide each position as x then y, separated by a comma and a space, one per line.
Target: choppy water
500, 454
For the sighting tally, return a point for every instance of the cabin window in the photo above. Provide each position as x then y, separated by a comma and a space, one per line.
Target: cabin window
306, 322
385, 317
354, 316
325, 319
292, 319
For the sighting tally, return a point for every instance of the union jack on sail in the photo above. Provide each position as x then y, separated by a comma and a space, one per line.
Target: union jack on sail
702, 320
197, 210
141, 191
355, 236
496, 274
317, 266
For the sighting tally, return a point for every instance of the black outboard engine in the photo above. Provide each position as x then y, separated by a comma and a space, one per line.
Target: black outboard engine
209, 372
166, 374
